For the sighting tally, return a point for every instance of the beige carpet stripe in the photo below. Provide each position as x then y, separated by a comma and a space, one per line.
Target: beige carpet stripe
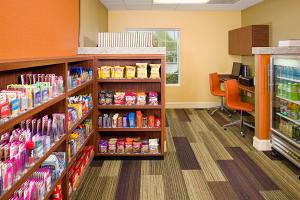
176, 128
273, 195
152, 187
174, 185
196, 185
289, 185
110, 168
170, 143
152, 167
210, 168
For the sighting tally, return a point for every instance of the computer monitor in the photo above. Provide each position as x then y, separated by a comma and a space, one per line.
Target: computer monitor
236, 69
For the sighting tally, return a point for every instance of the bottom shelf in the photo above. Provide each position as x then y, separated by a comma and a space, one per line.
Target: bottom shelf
129, 154
81, 178
55, 183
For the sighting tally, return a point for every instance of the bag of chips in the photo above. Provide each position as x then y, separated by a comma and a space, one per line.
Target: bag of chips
154, 73
142, 70
130, 72
119, 98
118, 72
104, 72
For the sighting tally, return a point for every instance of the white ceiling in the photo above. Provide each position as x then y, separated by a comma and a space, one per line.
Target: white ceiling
148, 5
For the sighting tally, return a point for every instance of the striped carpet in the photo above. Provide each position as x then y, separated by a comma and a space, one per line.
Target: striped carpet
202, 162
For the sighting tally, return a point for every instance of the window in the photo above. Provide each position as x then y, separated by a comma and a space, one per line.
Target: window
168, 38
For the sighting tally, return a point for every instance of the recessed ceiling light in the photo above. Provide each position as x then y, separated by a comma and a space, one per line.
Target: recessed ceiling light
180, 1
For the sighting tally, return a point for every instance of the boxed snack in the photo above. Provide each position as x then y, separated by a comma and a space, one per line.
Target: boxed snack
142, 70
130, 72
154, 73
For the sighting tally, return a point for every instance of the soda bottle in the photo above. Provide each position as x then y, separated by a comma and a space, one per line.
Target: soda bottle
294, 91
289, 91
284, 89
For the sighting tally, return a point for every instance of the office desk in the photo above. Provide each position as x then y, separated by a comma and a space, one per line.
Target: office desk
225, 77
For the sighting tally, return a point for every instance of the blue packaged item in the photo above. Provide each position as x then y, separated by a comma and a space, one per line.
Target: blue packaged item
131, 119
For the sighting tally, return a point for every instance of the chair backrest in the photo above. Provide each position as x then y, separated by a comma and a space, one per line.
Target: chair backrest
214, 83
232, 92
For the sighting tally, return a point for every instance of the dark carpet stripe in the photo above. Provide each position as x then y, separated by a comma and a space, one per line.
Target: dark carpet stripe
239, 182
129, 181
219, 119
182, 115
222, 191
269, 154
185, 154
167, 123
248, 166
96, 163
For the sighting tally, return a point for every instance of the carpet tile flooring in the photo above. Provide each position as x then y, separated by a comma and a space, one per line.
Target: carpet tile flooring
203, 161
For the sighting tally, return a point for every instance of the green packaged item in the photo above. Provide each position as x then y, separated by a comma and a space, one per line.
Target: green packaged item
294, 91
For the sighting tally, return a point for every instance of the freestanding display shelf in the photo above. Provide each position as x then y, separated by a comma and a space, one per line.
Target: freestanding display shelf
131, 85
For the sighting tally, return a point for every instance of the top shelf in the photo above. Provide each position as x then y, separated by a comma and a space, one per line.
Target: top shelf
129, 80
288, 79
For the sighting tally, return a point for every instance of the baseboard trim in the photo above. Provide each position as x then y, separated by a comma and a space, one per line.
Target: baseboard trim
192, 104
261, 145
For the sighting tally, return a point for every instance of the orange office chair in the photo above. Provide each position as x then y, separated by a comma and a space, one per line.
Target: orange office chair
233, 102
215, 90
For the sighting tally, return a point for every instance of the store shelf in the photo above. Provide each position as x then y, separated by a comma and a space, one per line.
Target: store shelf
287, 138
128, 107
288, 79
81, 178
130, 154
292, 101
127, 129
287, 118
281, 149
78, 122
54, 184
129, 80
71, 162
78, 88
32, 169
5, 125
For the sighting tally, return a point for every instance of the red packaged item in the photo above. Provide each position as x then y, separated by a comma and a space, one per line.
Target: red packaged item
151, 121
4, 106
157, 122
119, 98
130, 98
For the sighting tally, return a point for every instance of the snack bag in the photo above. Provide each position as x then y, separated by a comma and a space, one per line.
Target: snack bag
142, 70
130, 98
119, 98
141, 98
105, 72
130, 72
154, 73
118, 72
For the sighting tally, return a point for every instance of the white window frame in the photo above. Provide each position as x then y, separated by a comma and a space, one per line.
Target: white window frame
178, 50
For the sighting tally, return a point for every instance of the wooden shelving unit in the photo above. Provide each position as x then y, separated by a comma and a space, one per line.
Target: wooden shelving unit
131, 85
10, 70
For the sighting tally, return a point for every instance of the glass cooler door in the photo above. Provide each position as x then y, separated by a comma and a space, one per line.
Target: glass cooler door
285, 106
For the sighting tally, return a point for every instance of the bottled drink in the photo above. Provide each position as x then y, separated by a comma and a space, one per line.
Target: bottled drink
283, 89
289, 109
294, 91
289, 90
294, 111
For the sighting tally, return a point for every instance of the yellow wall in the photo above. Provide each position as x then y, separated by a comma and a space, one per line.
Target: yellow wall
283, 16
203, 45
93, 19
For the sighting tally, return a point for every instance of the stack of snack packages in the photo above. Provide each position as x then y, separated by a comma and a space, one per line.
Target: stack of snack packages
32, 90
77, 170
129, 145
139, 71
57, 193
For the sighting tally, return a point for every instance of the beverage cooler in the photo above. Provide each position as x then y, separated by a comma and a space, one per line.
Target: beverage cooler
285, 106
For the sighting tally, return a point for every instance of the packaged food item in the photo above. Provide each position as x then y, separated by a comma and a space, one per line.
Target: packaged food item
131, 119
109, 97
145, 146
145, 122
141, 98
153, 146
154, 73
151, 121
125, 124
119, 98
102, 98
142, 70
120, 121
139, 119
128, 145
112, 145
130, 72
104, 72
136, 147
120, 146
130, 98
115, 120
157, 122
153, 98
119, 72
103, 146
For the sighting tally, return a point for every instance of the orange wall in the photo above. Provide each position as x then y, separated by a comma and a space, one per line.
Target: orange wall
38, 28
